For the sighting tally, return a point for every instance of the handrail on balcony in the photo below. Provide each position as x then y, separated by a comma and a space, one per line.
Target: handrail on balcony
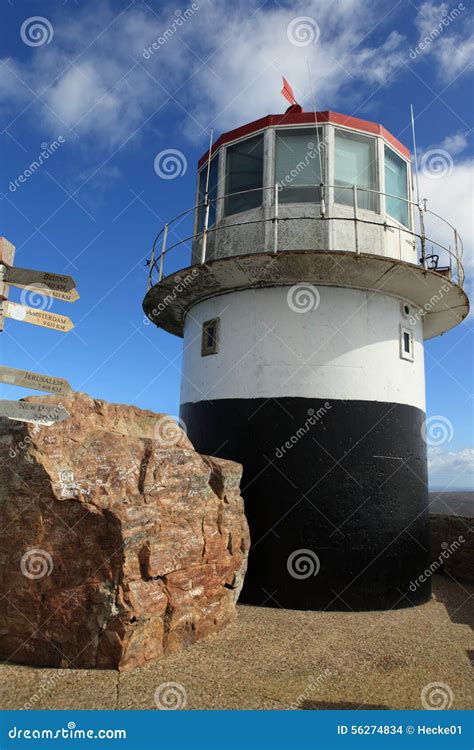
276, 217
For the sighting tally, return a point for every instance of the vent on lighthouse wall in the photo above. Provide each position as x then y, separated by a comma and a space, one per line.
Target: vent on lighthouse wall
406, 309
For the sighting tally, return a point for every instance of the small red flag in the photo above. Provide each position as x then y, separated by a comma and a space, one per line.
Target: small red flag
288, 92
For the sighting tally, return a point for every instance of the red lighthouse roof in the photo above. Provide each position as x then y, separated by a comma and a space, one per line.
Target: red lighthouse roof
308, 118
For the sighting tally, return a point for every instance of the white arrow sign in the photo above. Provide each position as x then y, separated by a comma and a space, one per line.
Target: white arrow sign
37, 317
35, 380
25, 411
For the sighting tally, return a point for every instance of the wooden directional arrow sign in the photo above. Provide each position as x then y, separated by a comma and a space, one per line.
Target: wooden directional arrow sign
46, 290
37, 317
31, 278
35, 380
24, 411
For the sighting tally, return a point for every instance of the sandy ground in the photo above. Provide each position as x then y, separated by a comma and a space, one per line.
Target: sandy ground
279, 659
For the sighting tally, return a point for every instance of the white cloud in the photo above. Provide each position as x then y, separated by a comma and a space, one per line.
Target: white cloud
230, 58
451, 469
449, 190
257, 50
87, 79
222, 66
454, 144
444, 34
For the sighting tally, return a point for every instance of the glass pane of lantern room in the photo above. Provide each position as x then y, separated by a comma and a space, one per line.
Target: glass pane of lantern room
355, 165
244, 171
396, 184
297, 166
213, 174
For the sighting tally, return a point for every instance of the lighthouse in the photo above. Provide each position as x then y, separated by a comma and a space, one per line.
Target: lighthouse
315, 276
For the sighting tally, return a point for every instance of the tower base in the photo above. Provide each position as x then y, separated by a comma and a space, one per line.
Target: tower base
336, 498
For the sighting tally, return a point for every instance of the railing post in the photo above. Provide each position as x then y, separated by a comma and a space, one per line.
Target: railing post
150, 272
275, 219
458, 262
422, 234
204, 234
3, 292
163, 249
356, 229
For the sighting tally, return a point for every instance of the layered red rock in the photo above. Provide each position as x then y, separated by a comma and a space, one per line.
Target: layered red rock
119, 543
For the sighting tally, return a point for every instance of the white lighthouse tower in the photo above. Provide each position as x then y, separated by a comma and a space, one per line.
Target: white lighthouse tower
311, 289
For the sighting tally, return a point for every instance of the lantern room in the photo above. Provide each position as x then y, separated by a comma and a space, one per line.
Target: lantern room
298, 167
319, 196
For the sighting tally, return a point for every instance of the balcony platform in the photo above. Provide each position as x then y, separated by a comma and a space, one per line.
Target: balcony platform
444, 302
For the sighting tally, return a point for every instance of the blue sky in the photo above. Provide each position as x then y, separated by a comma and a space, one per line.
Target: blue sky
93, 208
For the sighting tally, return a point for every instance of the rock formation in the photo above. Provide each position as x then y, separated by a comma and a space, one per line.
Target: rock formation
118, 543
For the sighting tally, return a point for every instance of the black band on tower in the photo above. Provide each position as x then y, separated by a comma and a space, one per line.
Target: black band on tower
336, 498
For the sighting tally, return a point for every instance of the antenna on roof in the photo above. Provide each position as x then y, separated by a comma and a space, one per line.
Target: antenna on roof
321, 184
415, 155
208, 165
420, 208
206, 199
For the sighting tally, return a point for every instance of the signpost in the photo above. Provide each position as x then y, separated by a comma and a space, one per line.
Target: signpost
37, 317
59, 286
35, 380
25, 411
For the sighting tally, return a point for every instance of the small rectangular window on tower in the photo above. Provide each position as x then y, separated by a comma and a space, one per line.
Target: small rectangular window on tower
210, 337
406, 344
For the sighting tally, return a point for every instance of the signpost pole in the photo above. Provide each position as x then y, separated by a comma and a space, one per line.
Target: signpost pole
7, 254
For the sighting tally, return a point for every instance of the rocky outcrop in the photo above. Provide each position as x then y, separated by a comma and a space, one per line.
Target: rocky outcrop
119, 543
452, 545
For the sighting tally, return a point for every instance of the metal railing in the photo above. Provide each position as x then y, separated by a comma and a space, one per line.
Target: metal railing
428, 261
